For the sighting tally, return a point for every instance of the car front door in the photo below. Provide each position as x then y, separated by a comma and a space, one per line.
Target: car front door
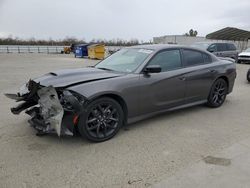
166, 89
199, 75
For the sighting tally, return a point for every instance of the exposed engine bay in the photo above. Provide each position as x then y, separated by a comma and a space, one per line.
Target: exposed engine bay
52, 110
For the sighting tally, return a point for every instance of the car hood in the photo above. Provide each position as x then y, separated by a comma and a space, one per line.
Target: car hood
244, 54
69, 77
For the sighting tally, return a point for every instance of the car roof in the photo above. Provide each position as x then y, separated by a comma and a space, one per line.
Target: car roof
214, 42
157, 47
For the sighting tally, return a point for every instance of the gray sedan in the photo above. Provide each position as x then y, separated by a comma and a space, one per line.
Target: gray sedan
133, 84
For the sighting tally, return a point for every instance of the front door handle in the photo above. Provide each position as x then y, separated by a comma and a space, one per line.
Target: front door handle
182, 78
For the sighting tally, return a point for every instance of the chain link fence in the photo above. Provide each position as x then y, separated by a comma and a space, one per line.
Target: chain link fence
44, 49
31, 49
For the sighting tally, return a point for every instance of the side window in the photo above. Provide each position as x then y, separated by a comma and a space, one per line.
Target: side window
192, 58
221, 47
168, 60
212, 48
231, 47
207, 58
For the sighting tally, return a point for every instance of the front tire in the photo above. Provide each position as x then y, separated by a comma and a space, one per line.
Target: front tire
218, 93
102, 120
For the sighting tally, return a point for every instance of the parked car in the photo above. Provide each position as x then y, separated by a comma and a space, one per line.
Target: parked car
248, 75
244, 56
130, 85
220, 49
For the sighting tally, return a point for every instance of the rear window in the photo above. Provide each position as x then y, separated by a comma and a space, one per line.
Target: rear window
193, 58
207, 58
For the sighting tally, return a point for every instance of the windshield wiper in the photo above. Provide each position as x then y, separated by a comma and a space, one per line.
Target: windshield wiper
103, 68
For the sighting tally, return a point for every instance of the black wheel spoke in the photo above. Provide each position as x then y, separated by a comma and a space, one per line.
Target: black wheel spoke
107, 108
101, 109
221, 90
215, 98
219, 84
92, 120
92, 127
113, 119
105, 129
111, 126
98, 131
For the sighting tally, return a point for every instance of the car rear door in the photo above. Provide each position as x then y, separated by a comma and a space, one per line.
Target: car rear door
231, 51
199, 74
166, 89
222, 50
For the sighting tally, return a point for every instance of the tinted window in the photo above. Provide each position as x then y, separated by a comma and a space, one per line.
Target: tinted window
168, 60
221, 47
212, 48
207, 58
231, 47
192, 57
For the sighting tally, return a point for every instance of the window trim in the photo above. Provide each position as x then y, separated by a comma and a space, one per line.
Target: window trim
184, 60
163, 50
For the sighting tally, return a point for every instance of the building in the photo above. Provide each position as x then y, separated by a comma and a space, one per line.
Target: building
178, 39
237, 36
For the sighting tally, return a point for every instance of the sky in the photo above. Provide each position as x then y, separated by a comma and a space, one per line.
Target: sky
125, 19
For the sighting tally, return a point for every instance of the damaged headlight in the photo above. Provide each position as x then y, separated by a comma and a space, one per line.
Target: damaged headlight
71, 100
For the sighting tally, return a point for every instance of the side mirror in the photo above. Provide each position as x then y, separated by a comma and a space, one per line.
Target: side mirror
152, 69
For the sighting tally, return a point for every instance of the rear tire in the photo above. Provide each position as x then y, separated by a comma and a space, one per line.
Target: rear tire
102, 120
218, 93
248, 75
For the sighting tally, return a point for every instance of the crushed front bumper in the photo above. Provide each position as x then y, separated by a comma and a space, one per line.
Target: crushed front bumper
52, 110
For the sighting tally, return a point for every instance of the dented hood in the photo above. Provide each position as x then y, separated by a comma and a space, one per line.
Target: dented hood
69, 77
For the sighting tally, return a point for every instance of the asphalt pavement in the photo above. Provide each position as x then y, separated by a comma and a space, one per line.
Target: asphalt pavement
193, 147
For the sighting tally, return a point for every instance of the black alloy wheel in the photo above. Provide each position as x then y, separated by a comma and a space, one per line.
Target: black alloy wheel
102, 120
218, 93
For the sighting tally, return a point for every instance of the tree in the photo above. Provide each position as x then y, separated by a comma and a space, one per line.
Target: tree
191, 33
66, 41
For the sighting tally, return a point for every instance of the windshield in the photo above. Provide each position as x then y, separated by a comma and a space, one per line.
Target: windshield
247, 50
125, 60
202, 46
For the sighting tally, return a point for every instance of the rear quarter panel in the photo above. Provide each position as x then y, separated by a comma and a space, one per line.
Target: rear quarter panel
226, 69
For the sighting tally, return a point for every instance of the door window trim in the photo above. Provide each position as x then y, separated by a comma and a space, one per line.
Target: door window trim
163, 50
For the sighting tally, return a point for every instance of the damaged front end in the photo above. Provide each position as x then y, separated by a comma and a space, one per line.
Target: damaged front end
52, 110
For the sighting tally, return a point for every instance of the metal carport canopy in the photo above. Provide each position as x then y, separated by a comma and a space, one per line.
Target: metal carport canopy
230, 33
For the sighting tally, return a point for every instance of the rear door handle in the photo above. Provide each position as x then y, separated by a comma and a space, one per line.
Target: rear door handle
182, 78
212, 71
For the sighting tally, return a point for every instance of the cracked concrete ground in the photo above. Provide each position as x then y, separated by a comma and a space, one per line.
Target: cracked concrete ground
159, 151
